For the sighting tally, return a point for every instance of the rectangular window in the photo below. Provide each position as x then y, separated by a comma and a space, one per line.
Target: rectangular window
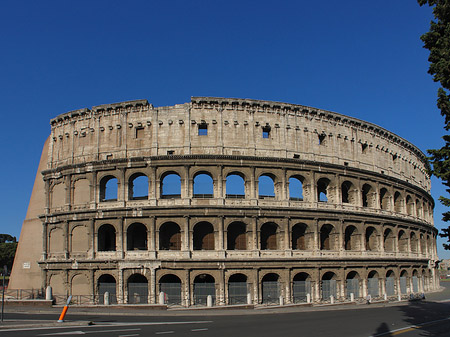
203, 129
266, 131
139, 133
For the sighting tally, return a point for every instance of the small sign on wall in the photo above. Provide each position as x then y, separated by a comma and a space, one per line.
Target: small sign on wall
26, 265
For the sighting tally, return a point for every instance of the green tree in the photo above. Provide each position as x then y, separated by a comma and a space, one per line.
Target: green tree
7, 253
437, 41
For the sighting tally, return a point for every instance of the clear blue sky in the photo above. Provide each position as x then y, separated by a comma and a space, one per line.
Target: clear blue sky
360, 58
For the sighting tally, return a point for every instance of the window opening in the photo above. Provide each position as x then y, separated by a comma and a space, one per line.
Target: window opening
266, 131
235, 187
171, 186
203, 186
295, 189
203, 129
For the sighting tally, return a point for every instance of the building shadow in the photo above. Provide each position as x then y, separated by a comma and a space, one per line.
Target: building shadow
430, 319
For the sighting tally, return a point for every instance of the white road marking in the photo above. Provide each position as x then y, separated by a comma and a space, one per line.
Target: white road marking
103, 325
202, 329
136, 334
163, 332
79, 332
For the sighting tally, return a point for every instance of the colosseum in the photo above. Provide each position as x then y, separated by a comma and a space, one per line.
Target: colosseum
234, 201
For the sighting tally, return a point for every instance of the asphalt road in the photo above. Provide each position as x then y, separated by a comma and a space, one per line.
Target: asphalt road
423, 318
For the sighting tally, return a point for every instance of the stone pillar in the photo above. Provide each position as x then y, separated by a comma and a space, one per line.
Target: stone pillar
220, 246
68, 189
153, 184
122, 186
288, 277
151, 235
121, 298
187, 244
218, 193
253, 188
316, 247
122, 237
221, 299
255, 233
44, 240
152, 293
93, 285
94, 236
66, 239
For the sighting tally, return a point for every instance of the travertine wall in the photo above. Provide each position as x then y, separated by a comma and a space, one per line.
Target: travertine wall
376, 223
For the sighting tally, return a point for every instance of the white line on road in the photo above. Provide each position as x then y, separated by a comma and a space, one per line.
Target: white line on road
102, 325
134, 335
163, 332
202, 329
79, 332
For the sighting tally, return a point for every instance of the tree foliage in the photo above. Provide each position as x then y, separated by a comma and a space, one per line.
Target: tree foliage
7, 253
437, 41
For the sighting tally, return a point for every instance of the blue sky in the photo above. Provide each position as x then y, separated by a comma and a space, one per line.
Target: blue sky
359, 58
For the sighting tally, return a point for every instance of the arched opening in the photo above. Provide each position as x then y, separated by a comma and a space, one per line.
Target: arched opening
409, 205
296, 188
402, 242
299, 237
414, 242
384, 199
301, 287
398, 207
403, 282
390, 283
138, 187
423, 244
203, 186
389, 240
203, 236
371, 239
266, 187
270, 289
171, 186
137, 289
106, 240
418, 208
373, 287
237, 236
169, 236
352, 284
170, 285
351, 238
368, 196
327, 237
237, 289
137, 237
322, 189
106, 283
349, 193
328, 286
269, 236
235, 186
108, 188
204, 286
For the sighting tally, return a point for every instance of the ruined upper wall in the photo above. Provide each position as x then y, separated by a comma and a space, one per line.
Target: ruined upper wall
234, 127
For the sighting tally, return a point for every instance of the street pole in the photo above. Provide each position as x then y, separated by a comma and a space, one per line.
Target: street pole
5, 269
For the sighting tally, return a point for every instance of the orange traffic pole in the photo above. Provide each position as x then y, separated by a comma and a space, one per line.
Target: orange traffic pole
63, 313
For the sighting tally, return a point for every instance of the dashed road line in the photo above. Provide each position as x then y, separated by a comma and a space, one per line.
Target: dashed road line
163, 332
202, 329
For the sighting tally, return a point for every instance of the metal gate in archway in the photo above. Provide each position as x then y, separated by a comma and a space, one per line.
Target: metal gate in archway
201, 292
137, 293
373, 287
353, 287
109, 287
270, 292
390, 286
300, 289
172, 292
328, 288
415, 283
403, 285
237, 292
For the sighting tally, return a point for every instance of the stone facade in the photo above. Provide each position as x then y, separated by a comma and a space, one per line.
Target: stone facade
237, 197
